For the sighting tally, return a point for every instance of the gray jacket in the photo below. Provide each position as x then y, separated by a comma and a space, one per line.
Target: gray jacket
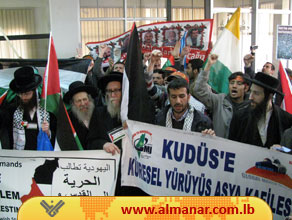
220, 105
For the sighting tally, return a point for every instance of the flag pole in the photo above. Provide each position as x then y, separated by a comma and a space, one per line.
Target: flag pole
47, 71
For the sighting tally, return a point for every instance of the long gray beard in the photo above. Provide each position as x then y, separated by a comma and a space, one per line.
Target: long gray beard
113, 110
83, 116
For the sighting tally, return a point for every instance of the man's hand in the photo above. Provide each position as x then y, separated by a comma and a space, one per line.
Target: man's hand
111, 148
157, 53
275, 146
154, 59
209, 132
111, 63
146, 57
46, 128
102, 49
248, 60
125, 125
185, 51
175, 51
212, 59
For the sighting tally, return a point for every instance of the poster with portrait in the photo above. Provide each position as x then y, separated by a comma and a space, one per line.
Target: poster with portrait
284, 42
163, 36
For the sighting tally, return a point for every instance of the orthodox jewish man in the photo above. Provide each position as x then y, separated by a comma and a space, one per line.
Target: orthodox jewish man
262, 123
81, 98
26, 115
107, 119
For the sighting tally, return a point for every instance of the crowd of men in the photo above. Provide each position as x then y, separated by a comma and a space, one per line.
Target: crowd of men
182, 99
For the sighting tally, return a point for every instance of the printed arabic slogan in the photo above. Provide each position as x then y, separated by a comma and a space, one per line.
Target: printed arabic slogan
26, 174
162, 36
171, 162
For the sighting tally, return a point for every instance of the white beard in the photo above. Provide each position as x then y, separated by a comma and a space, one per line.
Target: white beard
83, 116
112, 109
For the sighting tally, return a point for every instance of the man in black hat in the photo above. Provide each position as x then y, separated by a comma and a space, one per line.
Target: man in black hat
106, 121
107, 117
81, 97
27, 117
263, 123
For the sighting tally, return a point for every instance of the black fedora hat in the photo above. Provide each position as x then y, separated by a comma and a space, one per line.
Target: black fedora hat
266, 81
76, 87
25, 80
112, 76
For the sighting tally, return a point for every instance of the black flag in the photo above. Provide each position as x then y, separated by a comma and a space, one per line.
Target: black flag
135, 96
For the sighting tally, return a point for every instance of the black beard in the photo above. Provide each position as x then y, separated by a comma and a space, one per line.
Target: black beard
260, 110
30, 104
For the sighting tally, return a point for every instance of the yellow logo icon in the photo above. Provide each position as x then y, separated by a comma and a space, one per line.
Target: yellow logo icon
51, 209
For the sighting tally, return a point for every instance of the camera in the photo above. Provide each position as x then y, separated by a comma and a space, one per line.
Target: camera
253, 48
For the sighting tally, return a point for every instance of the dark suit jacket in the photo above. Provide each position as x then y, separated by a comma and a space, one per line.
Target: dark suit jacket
81, 130
101, 124
243, 127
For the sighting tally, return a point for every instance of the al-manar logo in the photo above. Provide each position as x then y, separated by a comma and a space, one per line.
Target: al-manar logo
142, 141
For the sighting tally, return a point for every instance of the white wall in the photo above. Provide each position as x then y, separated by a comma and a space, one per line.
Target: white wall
65, 26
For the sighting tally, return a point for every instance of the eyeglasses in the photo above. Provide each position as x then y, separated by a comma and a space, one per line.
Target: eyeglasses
115, 91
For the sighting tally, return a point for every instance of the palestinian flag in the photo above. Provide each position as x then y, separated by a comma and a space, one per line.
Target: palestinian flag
286, 88
136, 104
6, 95
51, 84
52, 101
3, 96
169, 62
66, 136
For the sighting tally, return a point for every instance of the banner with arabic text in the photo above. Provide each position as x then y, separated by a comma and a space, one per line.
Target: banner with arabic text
26, 174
